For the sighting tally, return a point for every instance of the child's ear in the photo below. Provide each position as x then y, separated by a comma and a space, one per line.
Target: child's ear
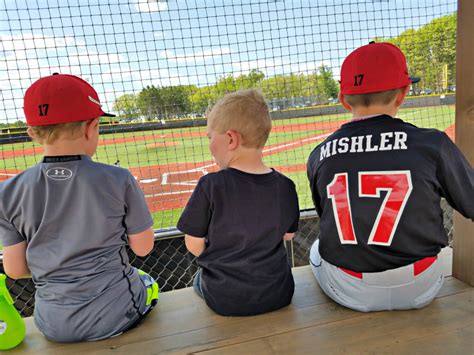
234, 139
31, 133
90, 128
343, 102
402, 93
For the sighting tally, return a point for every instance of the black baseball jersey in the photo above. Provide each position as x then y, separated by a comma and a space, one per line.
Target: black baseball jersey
377, 185
245, 269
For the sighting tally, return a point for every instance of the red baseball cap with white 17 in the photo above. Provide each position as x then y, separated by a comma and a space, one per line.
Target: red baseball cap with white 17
61, 98
374, 67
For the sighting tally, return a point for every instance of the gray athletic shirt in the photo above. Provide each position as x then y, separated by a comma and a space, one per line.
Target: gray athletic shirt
75, 215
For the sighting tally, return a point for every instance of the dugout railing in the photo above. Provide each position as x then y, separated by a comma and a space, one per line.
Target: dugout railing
174, 267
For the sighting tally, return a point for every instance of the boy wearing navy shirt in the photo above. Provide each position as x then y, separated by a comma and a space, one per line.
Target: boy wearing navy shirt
377, 183
237, 219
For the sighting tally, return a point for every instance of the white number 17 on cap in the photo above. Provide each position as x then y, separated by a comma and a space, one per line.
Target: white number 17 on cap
398, 186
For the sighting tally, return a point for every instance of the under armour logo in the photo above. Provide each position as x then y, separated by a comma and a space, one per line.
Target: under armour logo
59, 173
130, 313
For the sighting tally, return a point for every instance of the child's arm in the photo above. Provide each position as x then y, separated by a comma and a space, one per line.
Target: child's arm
195, 219
195, 245
456, 177
138, 220
142, 243
288, 236
14, 261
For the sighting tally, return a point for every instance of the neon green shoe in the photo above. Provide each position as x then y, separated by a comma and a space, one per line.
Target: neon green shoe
152, 288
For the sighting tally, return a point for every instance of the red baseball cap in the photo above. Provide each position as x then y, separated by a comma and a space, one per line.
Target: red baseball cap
61, 98
374, 67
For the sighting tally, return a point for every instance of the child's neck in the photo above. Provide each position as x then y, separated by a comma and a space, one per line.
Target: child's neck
363, 111
64, 147
249, 160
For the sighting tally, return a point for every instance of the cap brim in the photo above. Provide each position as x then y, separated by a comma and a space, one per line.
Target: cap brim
108, 115
415, 79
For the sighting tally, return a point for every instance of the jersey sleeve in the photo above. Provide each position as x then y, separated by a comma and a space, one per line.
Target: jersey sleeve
456, 177
137, 217
294, 209
9, 234
197, 214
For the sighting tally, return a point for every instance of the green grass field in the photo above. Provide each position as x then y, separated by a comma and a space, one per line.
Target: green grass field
195, 149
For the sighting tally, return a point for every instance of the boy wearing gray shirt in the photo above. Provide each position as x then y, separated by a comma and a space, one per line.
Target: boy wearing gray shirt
67, 220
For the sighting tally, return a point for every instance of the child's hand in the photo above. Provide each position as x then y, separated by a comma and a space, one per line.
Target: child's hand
288, 236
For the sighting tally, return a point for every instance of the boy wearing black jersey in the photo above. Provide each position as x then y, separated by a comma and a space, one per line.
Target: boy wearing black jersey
376, 184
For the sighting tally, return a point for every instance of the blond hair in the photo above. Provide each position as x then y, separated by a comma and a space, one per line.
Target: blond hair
244, 111
50, 134
372, 98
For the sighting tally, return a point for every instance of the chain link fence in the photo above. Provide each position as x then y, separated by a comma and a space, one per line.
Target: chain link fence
174, 267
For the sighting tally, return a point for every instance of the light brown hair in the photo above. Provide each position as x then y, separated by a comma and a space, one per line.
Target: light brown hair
50, 134
372, 98
244, 111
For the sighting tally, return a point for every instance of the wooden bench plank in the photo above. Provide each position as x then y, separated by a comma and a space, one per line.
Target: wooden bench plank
183, 323
177, 312
449, 318
238, 330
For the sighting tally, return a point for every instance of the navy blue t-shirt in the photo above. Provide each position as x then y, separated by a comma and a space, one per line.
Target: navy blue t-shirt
245, 269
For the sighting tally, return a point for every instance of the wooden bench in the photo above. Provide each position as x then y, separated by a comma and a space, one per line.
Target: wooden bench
182, 323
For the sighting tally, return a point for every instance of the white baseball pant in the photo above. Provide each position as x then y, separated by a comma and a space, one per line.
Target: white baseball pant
395, 289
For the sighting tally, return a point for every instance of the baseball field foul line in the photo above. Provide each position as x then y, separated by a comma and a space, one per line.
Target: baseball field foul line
203, 169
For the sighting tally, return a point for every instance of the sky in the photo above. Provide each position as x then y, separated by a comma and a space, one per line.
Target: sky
121, 46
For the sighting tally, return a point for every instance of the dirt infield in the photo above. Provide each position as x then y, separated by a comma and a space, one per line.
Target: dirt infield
169, 186
164, 190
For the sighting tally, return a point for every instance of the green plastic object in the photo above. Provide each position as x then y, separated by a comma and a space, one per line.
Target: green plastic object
12, 326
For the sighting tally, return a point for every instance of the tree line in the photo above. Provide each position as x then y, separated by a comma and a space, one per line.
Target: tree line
173, 101
430, 52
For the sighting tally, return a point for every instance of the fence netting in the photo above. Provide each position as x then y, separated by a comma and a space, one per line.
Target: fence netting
159, 65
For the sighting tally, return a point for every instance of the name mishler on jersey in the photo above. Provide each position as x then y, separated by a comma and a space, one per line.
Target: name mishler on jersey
361, 144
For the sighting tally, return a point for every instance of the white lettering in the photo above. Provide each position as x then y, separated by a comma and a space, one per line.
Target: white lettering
384, 143
325, 151
360, 144
356, 144
400, 139
343, 145
334, 143
370, 148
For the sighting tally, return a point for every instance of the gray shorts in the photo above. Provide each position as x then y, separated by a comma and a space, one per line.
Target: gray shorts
94, 318
150, 284
401, 288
